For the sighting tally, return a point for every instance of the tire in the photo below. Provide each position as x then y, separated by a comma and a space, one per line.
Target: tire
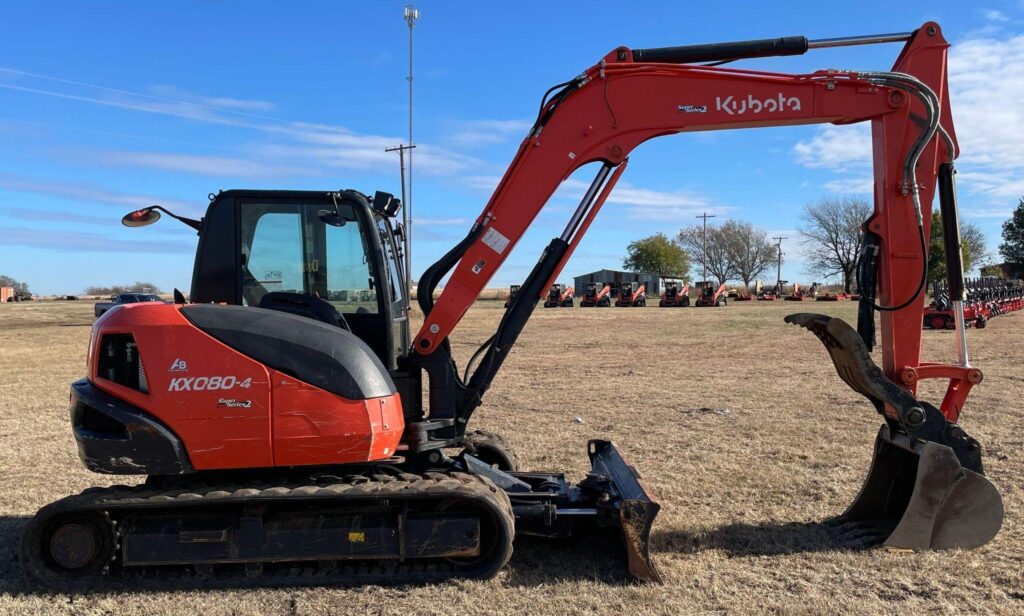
685, 302
937, 322
491, 449
640, 303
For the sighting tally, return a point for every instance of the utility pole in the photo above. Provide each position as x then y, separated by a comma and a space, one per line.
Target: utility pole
401, 148
704, 258
778, 271
411, 14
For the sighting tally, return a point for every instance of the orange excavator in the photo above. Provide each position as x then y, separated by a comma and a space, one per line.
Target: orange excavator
595, 298
709, 295
279, 418
559, 296
675, 296
631, 295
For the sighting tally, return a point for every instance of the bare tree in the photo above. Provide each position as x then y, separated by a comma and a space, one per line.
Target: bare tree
719, 260
750, 250
832, 237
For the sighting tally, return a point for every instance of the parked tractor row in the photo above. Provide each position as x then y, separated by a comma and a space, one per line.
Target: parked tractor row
986, 298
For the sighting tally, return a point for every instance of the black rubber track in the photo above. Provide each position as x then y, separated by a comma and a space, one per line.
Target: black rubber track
334, 495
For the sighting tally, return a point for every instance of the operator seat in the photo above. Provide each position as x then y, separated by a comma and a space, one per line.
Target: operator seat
304, 305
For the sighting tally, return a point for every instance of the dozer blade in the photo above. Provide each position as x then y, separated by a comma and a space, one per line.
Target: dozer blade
637, 507
926, 488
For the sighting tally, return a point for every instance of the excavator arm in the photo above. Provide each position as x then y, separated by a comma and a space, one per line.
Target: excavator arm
632, 96
625, 99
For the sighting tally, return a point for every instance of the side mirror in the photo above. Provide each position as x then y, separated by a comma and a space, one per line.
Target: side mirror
141, 218
399, 233
149, 215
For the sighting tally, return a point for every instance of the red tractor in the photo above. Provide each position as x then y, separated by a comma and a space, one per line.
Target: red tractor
674, 296
596, 298
559, 296
631, 294
709, 296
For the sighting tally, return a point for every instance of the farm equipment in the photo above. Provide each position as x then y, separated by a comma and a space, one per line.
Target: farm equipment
631, 295
594, 298
559, 296
800, 295
986, 298
709, 296
280, 421
674, 296
512, 291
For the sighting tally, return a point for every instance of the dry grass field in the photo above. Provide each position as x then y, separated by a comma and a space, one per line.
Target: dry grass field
743, 493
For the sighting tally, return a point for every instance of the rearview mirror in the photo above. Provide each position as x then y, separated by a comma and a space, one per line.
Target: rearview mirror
331, 217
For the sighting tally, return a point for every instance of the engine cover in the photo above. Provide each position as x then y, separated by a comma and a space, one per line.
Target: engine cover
244, 387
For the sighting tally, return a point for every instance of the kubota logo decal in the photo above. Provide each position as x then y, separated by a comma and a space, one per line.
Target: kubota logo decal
733, 106
208, 383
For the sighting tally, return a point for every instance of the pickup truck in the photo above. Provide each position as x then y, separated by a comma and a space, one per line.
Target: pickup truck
125, 298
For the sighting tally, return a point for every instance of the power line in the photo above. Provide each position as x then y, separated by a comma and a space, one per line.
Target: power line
401, 149
704, 256
411, 14
778, 272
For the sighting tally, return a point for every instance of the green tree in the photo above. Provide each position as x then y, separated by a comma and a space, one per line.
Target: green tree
1012, 248
657, 255
972, 242
19, 287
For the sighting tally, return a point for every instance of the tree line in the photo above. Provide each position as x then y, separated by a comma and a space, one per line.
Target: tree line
831, 241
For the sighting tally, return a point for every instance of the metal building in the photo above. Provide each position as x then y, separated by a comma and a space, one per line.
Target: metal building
653, 281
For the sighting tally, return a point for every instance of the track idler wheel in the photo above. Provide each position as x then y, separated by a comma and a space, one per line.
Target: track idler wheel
67, 551
926, 488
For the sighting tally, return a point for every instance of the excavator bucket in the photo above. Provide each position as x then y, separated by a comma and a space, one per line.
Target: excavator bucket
926, 488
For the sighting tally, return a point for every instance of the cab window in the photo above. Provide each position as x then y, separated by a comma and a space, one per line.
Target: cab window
287, 247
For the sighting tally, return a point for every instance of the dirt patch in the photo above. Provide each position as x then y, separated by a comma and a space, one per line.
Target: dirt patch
744, 494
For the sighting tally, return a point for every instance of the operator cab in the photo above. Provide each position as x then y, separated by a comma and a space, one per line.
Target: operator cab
330, 256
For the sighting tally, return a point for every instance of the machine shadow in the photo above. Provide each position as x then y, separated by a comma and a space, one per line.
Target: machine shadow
760, 539
600, 557
11, 580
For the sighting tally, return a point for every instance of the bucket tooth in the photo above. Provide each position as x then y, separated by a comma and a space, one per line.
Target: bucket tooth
926, 488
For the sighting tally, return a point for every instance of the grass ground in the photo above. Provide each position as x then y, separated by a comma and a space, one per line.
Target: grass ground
743, 492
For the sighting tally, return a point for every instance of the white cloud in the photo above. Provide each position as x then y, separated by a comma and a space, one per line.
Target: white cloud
90, 193
198, 164
836, 147
986, 88
476, 133
332, 146
851, 185
995, 15
421, 221
171, 92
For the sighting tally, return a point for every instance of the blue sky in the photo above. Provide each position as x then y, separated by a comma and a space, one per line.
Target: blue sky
105, 106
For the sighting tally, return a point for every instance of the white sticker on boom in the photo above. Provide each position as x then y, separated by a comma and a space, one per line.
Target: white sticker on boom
497, 242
